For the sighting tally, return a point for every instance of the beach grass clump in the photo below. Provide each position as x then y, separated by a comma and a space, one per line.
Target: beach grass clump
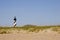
3, 31
56, 29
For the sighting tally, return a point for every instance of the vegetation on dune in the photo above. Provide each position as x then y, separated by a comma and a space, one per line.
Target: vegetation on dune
29, 28
56, 29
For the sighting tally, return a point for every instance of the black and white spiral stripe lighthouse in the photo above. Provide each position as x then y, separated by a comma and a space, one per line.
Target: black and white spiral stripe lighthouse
15, 21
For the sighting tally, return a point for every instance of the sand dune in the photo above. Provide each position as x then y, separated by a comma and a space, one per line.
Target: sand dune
23, 35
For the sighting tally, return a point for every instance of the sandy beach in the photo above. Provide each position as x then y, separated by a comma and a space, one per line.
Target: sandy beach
23, 35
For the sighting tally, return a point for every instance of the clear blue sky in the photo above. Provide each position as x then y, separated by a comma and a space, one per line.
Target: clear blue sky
35, 12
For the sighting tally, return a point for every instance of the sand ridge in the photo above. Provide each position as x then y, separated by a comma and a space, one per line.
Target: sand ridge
23, 35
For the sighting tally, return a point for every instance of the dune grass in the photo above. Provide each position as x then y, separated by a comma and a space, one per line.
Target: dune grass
29, 28
56, 29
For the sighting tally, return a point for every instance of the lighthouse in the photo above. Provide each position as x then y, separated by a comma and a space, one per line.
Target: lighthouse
15, 21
